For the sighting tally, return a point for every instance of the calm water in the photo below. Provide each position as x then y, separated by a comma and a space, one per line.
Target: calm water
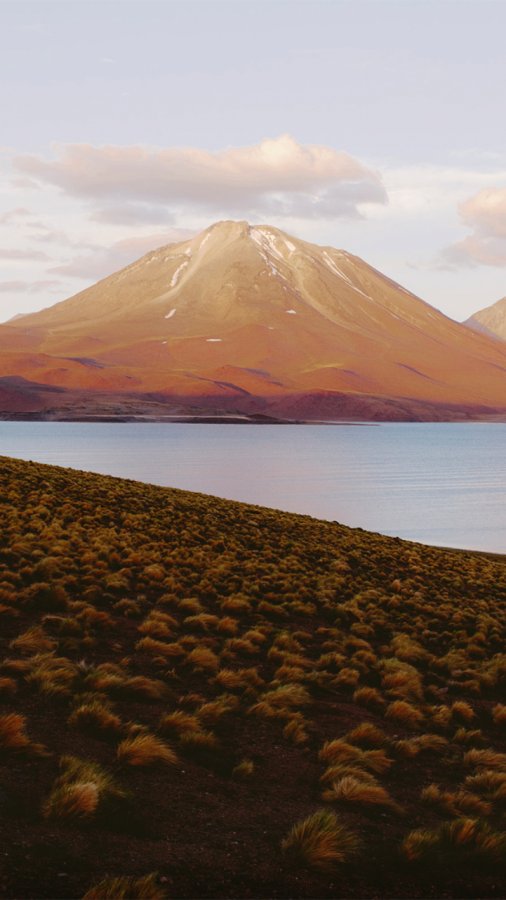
436, 483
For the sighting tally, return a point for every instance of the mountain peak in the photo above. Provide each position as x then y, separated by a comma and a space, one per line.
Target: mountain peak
247, 312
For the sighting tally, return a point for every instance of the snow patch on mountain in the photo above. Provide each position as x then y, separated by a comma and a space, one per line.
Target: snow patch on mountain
175, 277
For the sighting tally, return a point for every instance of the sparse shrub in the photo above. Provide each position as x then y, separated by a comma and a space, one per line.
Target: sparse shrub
366, 735
489, 782
128, 608
456, 803
34, 640
79, 789
203, 658
459, 841
12, 732
53, 676
369, 697
320, 841
244, 769
352, 789
126, 887
143, 687
178, 723
8, 687
198, 741
145, 749
485, 759
424, 743
94, 716
236, 603
295, 731
347, 678
403, 713
463, 711
214, 710
468, 736
499, 714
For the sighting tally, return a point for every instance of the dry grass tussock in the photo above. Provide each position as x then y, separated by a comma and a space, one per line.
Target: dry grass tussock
145, 750
127, 888
79, 789
321, 841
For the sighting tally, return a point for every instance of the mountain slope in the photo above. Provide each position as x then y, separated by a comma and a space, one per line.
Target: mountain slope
248, 316
491, 320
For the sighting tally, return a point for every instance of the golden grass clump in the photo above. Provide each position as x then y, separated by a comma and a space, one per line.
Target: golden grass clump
340, 752
499, 714
178, 723
403, 713
320, 841
352, 789
472, 736
95, 716
126, 887
13, 736
423, 743
203, 658
213, 710
247, 680
8, 687
145, 688
369, 697
77, 792
456, 803
155, 647
461, 710
243, 769
366, 735
145, 749
198, 741
460, 840
489, 783
485, 759
53, 676
295, 730
34, 640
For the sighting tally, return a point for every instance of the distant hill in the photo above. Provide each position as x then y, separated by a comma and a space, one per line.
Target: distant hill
249, 319
491, 320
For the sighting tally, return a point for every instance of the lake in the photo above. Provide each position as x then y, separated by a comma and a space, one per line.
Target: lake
442, 484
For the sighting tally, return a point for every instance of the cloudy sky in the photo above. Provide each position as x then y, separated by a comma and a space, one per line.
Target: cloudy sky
372, 125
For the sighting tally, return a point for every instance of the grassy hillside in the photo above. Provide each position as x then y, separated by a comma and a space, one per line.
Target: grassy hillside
206, 699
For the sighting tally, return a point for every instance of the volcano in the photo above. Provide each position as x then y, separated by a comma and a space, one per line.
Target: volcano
249, 320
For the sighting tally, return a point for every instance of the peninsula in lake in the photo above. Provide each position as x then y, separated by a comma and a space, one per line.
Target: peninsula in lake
249, 321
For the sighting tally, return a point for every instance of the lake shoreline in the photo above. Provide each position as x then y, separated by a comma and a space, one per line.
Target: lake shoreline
438, 484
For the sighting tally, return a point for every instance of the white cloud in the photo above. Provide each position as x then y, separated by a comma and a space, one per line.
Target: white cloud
12, 254
133, 214
105, 261
485, 214
14, 215
278, 177
7, 287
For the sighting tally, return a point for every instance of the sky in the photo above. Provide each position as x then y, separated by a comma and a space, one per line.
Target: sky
375, 126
